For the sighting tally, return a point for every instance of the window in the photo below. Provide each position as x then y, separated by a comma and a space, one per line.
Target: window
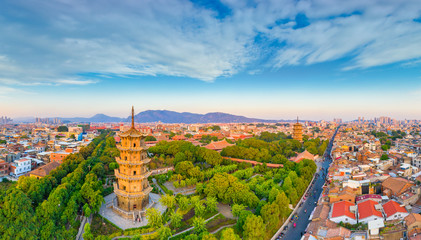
134, 172
134, 144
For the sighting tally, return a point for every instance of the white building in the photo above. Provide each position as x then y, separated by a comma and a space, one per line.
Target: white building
343, 211
20, 167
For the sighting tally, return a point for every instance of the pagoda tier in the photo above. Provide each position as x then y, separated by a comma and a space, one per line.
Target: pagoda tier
142, 162
132, 187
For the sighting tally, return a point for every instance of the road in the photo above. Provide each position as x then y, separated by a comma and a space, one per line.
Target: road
309, 204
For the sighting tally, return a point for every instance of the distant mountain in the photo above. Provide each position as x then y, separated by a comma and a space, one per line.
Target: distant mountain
166, 116
99, 118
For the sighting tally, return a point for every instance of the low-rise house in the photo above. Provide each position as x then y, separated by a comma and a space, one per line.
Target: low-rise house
394, 211
21, 166
410, 196
374, 226
374, 197
395, 186
368, 211
44, 170
345, 194
58, 156
413, 223
343, 211
4, 169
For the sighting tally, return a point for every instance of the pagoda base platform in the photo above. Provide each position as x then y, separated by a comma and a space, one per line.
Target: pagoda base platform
126, 220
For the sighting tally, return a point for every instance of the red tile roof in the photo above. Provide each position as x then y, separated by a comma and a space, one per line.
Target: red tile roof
342, 208
367, 209
303, 155
393, 207
218, 145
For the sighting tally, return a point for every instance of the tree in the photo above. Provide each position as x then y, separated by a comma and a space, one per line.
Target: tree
200, 188
16, 216
199, 224
211, 204
293, 196
192, 237
199, 209
242, 217
282, 202
384, 157
176, 219
87, 210
236, 209
183, 202
150, 138
183, 167
72, 136
287, 185
270, 214
228, 234
154, 217
164, 233
254, 228
62, 129
208, 236
112, 166
88, 234
272, 194
168, 201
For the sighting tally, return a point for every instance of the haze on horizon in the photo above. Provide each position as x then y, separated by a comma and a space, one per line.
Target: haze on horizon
271, 60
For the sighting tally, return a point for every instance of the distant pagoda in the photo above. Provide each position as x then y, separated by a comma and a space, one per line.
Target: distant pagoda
297, 132
132, 187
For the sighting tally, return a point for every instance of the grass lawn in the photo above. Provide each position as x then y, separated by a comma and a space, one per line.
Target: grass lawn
218, 222
100, 228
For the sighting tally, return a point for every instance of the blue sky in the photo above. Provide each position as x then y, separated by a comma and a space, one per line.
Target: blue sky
267, 59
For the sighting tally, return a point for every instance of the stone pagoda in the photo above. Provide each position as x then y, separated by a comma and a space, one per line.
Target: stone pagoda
132, 187
297, 131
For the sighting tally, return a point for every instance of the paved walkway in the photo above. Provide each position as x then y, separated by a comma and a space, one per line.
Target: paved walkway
123, 223
191, 228
159, 187
225, 210
219, 229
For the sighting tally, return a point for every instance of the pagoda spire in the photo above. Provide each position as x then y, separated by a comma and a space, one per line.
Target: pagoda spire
297, 119
132, 117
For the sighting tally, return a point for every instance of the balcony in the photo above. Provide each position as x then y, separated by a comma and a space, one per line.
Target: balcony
132, 162
121, 148
124, 193
131, 177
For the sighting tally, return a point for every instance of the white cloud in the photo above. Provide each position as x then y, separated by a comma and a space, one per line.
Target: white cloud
61, 39
76, 82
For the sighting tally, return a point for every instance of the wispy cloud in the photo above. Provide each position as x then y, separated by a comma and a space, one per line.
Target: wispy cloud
49, 41
76, 82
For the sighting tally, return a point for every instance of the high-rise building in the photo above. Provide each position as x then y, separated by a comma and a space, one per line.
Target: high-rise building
132, 187
5, 120
297, 131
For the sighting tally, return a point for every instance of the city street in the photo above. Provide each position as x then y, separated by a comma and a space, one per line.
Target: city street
309, 203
